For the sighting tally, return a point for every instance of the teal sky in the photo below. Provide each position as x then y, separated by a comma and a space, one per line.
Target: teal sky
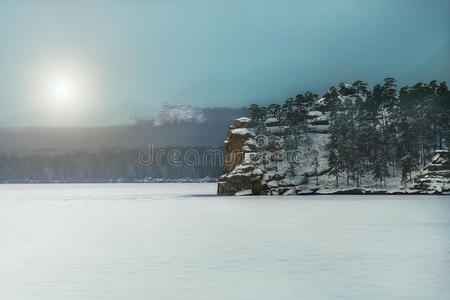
128, 57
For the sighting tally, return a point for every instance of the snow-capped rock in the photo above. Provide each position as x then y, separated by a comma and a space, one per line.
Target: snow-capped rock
244, 132
435, 177
242, 122
271, 122
178, 113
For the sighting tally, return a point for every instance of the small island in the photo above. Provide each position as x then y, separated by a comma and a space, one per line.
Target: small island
350, 141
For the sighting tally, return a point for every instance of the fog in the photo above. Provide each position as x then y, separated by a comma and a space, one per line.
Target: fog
128, 57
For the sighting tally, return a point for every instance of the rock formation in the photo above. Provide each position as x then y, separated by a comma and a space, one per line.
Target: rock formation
262, 164
435, 177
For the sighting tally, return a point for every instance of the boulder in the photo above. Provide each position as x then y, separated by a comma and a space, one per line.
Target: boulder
271, 122
435, 177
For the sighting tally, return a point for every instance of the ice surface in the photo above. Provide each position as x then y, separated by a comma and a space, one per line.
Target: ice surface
180, 241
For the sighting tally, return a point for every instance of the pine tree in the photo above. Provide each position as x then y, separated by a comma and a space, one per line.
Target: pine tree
315, 164
333, 163
407, 168
256, 114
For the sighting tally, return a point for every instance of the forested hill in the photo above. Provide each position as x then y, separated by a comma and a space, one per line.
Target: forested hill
386, 127
379, 129
350, 137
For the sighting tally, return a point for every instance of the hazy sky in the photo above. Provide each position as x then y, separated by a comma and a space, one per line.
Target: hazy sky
105, 61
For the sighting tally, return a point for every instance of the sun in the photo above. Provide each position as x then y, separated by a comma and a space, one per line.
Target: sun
60, 86
63, 90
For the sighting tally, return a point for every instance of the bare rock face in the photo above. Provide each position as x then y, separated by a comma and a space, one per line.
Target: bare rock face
236, 145
238, 175
435, 177
259, 164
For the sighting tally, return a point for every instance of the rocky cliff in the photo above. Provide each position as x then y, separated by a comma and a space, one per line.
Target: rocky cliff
263, 164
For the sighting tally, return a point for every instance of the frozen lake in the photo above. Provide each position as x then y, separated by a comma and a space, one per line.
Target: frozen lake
179, 241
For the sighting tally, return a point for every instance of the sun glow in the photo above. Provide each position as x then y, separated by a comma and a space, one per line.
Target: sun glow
63, 90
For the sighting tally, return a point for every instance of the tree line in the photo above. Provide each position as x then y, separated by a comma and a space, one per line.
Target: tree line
105, 165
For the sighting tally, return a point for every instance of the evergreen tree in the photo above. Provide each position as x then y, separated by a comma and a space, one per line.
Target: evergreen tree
257, 114
315, 164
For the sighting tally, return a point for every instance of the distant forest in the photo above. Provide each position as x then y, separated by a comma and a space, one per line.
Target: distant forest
103, 154
379, 130
111, 165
